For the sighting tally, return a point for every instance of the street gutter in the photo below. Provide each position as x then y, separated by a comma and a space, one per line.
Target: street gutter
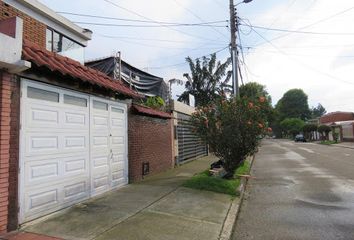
232, 214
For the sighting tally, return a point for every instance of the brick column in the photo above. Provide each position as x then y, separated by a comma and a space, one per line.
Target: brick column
9, 149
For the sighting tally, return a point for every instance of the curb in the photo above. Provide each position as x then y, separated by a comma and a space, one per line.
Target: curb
338, 145
232, 214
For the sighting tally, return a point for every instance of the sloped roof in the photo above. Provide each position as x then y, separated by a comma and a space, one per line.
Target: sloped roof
150, 112
66, 66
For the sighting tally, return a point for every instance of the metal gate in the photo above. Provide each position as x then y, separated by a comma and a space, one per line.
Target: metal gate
189, 145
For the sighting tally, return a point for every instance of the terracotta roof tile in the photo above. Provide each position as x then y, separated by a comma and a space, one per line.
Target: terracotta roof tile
151, 112
66, 66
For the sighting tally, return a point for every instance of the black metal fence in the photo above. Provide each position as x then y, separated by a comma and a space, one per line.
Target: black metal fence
189, 145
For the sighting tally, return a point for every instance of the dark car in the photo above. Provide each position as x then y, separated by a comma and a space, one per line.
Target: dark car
300, 138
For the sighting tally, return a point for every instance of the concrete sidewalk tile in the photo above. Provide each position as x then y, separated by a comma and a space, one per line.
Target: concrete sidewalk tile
155, 226
201, 205
90, 218
95, 216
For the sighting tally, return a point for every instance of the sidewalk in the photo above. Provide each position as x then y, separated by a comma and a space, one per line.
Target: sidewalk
345, 145
156, 208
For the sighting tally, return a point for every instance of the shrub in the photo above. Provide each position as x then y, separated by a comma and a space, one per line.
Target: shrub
155, 102
232, 128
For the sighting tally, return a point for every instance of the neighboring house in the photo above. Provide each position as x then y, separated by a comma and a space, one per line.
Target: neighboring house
64, 126
342, 123
336, 117
143, 82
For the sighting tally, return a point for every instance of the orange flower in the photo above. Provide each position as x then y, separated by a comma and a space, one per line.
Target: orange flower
269, 129
249, 122
262, 99
250, 105
260, 125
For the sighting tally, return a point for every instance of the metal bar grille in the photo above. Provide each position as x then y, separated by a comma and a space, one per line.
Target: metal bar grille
189, 145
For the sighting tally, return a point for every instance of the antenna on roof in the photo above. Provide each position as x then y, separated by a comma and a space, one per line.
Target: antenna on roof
117, 73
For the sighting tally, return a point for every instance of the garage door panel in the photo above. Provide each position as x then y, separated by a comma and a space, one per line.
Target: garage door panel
100, 184
42, 200
100, 122
75, 120
100, 141
73, 146
52, 170
38, 143
118, 157
40, 115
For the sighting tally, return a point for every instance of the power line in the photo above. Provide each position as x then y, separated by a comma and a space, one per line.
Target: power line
184, 63
144, 17
295, 31
140, 21
149, 26
314, 23
151, 39
299, 62
196, 16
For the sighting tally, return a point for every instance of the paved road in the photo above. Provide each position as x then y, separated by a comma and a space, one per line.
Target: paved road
301, 191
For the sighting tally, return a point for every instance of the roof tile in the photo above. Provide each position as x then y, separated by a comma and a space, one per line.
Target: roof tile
151, 112
66, 66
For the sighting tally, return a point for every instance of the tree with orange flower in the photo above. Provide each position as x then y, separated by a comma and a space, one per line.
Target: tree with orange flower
232, 128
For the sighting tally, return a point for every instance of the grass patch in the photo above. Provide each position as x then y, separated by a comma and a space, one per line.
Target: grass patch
328, 142
203, 181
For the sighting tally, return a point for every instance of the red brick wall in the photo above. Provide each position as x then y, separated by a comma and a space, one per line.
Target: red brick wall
9, 149
150, 140
33, 30
337, 117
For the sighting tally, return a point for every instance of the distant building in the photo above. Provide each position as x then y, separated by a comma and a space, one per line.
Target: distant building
342, 123
336, 117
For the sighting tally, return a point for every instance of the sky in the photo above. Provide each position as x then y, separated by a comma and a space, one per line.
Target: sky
319, 59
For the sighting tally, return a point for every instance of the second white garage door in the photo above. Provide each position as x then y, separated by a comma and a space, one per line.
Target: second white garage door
73, 146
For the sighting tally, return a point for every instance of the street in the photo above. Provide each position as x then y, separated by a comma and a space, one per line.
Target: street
299, 191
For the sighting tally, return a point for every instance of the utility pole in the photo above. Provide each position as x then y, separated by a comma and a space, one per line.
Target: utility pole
233, 45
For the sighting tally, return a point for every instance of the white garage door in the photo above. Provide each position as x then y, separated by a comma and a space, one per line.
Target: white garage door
73, 146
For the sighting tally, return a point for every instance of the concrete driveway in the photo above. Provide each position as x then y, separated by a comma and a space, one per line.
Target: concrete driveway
157, 208
301, 191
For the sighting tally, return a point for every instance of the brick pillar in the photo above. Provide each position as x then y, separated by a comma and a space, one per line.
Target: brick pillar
9, 149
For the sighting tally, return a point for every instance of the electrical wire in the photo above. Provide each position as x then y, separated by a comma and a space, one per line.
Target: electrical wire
242, 54
140, 21
295, 31
199, 18
148, 26
313, 24
184, 63
299, 62
152, 39
144, 17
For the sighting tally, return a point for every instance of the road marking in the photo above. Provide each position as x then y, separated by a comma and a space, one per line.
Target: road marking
306, 149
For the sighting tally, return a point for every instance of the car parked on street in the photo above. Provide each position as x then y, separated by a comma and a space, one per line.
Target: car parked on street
300, 138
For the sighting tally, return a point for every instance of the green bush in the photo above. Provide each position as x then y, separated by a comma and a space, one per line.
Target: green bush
155, 102
232, 128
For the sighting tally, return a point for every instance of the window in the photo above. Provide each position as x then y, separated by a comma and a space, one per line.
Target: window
117, 110
57, 42
100, 105
77, 101
41, 94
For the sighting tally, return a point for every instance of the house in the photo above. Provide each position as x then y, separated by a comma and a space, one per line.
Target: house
342, 124
64, 126
144, 83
